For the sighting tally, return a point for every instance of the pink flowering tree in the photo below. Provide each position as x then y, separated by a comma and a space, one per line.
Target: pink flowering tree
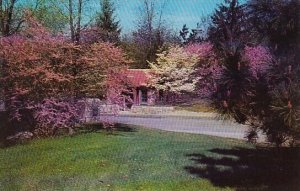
44, 75
259, 59
53, 114
34, 70
208, 69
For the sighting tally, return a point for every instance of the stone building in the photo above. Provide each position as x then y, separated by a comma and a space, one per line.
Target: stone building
142, 93
142, 96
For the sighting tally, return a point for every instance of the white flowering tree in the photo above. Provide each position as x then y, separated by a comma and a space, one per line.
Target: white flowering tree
173, 71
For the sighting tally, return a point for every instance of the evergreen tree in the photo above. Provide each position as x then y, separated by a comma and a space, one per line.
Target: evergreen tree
184, 34
229, 26
227, 34
275, 22
196, 35
106, 22
268, 100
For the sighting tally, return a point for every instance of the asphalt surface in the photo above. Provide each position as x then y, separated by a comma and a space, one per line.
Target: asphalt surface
206, 126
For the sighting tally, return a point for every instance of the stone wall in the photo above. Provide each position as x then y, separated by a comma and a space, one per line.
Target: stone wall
151, 109
91, 109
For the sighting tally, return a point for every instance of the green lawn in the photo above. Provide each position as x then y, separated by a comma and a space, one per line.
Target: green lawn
195, 107
141, 159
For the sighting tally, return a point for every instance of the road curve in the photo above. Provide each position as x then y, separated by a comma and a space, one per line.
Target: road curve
204, 126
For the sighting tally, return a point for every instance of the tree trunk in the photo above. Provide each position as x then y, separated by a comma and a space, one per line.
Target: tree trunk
78, 27
71, 22
6, 14
1, 16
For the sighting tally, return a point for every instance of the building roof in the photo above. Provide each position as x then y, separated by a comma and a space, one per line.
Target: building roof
139, 77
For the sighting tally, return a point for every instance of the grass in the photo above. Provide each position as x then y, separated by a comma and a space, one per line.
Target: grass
200, 106
142, 159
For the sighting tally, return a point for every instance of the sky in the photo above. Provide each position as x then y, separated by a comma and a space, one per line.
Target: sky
176, 13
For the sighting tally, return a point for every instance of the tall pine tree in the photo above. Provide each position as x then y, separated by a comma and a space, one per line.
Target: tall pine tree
107, 24
268, 101
229, 26
227, 33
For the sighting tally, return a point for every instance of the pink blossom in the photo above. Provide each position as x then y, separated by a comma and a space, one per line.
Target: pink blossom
54, 114
208, 69
41, 70
259, 59
200, 49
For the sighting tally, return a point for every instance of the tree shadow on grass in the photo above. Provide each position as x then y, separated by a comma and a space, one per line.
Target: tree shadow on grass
98, 127
263, 168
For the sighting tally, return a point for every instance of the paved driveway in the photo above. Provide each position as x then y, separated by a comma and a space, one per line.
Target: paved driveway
205, 126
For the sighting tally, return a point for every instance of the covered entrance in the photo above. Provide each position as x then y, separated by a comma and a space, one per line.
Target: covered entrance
142, 94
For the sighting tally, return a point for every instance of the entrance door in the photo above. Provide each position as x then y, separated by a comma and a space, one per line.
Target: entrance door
144, 96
